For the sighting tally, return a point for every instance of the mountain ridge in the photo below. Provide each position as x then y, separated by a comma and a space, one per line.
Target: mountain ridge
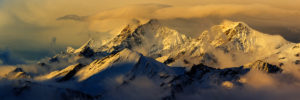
175, 63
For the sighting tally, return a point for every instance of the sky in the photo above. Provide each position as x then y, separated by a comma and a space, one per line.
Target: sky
33, 29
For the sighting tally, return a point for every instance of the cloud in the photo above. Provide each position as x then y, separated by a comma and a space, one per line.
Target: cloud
72, 17
256, 86
6, 58
142, 88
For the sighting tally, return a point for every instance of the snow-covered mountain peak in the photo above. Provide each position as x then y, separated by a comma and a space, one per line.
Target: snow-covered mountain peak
88, 44
151, 39
236, 33
239, 36
124, 58
231, 40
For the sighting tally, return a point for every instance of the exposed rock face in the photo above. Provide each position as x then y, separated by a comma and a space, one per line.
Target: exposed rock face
87, 52
71, 73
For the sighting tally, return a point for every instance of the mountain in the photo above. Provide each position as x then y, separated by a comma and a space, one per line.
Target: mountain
230, 40
126, 64
165, 60
233, 41
151, 39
